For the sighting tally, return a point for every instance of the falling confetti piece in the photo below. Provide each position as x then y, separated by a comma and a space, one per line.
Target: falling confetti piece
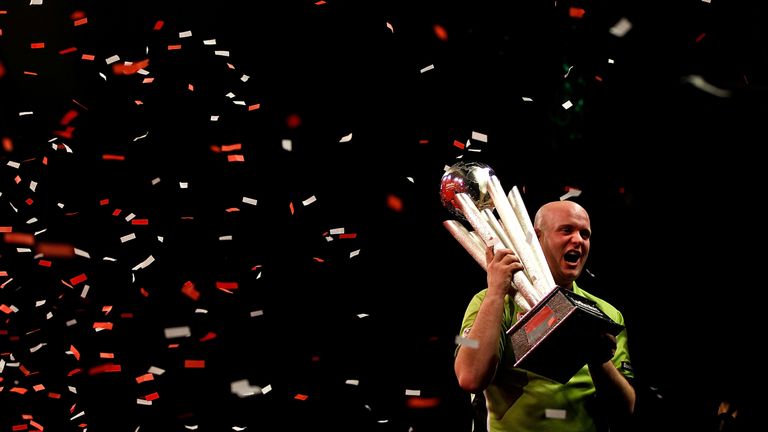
700, 83
469, 343
621, 27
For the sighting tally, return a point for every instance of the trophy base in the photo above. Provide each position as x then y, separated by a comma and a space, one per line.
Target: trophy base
553, 338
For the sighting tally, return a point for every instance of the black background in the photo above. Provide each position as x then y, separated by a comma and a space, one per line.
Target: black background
671, 175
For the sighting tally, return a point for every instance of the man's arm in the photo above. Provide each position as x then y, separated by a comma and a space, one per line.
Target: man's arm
475, 367
613, 389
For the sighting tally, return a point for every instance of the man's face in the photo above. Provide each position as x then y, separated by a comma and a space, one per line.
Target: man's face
564, 239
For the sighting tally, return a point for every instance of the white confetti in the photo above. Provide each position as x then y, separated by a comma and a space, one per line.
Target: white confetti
467, 342
82, 253
346, 138
352, 382
144, 264
287, 145
112, 59
185, 34
155, 181
13, 164
214, 118
251, 201
256, 313
225, 237
479, 137
177, 332
127, 238
700, 83
24, 113
354, 253
154, 370
527, 99
567, 104
130, 217
427, 68
572, 192
141, 136
554, 413
143, 402
621, 28
222, 53
412, 392
389, 26
243, 388
183, 185
336, 231
35, 2
209, 42
309, 200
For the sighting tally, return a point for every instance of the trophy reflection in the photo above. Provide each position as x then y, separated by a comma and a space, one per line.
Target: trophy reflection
550, 338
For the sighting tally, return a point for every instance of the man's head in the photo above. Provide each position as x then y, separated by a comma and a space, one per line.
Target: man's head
563, 229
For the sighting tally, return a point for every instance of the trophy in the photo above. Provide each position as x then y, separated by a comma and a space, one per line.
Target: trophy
551, 336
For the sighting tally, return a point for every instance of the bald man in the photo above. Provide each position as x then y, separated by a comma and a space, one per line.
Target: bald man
597, 397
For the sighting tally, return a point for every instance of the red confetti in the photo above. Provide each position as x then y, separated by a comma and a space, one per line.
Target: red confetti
440, 32
19, 238
300, 396
293, 121
226, 285
189, 290
78, 279
89, 57
144, 378
235, 158
194, 364
231, 147
458, 144
112, 157
67, 50
140, 222
105, 368
158, 25
348, 236
103, 325
576, 12
44, 263
174, 47
420, 402
37, 45
211, 335
394, 203
81, 22
55, 250
700, 37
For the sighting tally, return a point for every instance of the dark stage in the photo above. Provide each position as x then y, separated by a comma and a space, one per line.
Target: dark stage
226, 216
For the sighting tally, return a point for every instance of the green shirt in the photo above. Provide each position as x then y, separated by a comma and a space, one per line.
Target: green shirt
520, 401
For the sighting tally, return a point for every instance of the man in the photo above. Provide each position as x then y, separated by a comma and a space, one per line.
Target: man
598, 395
